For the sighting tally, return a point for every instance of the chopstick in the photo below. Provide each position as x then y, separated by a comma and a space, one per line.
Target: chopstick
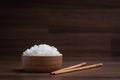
77, 69
71, 67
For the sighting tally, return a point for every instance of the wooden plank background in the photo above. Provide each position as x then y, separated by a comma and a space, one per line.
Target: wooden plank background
77, 28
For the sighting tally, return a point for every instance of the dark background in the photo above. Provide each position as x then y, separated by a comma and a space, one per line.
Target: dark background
78, 28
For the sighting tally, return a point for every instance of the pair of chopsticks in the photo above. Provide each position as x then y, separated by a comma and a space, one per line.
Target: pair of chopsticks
77, 67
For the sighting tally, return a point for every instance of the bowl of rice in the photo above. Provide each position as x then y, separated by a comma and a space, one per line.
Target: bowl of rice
41, 58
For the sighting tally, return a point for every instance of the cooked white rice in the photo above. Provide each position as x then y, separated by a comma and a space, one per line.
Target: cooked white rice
41, 50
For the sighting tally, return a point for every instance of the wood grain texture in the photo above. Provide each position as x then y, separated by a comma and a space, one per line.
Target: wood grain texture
83, 28
11, 69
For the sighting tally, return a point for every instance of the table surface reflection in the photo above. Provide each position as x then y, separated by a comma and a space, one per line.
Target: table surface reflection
11, 69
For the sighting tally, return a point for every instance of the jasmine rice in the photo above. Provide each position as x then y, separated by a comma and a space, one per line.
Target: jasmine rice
42, 50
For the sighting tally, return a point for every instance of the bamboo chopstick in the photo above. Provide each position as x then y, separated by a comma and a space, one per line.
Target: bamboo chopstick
77, 69
71, 67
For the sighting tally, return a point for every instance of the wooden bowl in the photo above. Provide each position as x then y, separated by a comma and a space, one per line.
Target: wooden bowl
41, 63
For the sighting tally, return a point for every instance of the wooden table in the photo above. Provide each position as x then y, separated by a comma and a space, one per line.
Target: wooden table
11, 69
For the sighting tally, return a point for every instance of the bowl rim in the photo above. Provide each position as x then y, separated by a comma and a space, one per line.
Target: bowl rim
41, 56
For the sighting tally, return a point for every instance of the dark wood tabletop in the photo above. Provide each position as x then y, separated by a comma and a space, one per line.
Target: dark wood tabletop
11, 69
